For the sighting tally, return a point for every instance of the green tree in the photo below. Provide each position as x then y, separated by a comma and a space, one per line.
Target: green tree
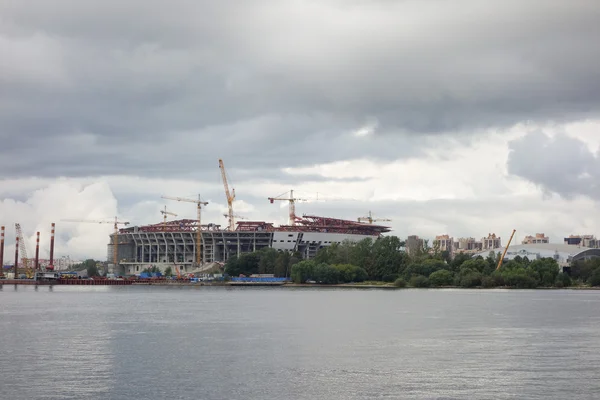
267, 260
245, 264
458, 261
169, 271
441, 277
419, 281
303, 271
547, 269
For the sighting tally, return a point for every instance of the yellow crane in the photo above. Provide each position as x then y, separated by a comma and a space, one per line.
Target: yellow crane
199, 204
292, 200
229, 195
369, 218
116, 223
505, 250
23, 249
165, 213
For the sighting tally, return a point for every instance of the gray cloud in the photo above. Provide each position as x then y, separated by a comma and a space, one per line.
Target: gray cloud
144, 88
562, 165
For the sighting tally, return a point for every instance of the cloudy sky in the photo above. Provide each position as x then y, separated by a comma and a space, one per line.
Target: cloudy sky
461, 117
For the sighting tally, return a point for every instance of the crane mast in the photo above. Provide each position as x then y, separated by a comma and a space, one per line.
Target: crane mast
23, 250
292, 208
229, 195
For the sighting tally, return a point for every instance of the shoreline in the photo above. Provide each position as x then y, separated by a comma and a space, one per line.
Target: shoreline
383, 286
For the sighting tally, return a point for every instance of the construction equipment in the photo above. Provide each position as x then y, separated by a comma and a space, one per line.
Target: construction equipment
165, 213
23, 249
505, 250
116, 223
235, 215
199, 204
369, 218
229, 195
292, 200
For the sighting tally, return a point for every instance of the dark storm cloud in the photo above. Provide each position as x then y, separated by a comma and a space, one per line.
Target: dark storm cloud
562, 165
156, 88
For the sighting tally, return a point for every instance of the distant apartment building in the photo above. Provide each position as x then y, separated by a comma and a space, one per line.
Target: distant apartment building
468, 245
491, 242
413, 244
538, 238
444, 243
583, 241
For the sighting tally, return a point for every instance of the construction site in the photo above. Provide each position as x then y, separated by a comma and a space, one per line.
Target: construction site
188, 245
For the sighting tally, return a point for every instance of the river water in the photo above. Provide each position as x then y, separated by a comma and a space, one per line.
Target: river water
275, 343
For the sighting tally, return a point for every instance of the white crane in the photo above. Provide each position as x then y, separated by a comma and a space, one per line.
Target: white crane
116, 223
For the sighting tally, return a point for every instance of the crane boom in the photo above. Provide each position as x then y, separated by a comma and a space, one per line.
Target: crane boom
292, 208
116, 223
229, 195
505, 250
369, 218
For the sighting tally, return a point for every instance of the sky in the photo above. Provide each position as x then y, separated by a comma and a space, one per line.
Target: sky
461, 118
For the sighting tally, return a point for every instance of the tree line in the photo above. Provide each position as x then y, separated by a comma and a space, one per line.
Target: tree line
264, 261
385, 259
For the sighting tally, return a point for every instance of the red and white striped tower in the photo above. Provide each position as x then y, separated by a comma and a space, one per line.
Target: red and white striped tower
37, 251
52, 248
1, 250
16, 257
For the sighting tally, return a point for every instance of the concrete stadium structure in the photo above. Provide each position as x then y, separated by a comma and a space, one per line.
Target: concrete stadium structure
174, 243
562, 253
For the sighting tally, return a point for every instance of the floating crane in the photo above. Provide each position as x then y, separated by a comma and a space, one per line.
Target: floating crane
165, 213
229, 195
199, 204
116, 223
23, 249
369, 218
292, 200
505, 250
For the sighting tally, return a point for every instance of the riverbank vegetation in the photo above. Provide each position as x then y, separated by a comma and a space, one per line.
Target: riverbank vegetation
385, 260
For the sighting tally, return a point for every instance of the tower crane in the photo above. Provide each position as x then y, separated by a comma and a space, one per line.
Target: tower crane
229, 195
505, 250
165, 213
369, 218
116, 223
235, 215
23, 249
199, 204
292, 201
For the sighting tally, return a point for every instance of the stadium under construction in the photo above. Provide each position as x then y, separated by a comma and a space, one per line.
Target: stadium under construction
175, 242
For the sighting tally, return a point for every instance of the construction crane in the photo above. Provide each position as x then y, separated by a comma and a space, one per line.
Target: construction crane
235, 215
165, 213
199, 204
229, 195
292, 200
369, 218
23, 249
116, 223
505, 250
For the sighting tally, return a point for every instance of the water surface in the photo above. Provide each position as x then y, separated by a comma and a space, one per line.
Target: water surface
274, 343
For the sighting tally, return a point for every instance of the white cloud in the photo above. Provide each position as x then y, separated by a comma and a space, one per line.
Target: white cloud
457, 188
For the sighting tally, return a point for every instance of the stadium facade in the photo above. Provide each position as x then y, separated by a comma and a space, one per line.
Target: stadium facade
174, 243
